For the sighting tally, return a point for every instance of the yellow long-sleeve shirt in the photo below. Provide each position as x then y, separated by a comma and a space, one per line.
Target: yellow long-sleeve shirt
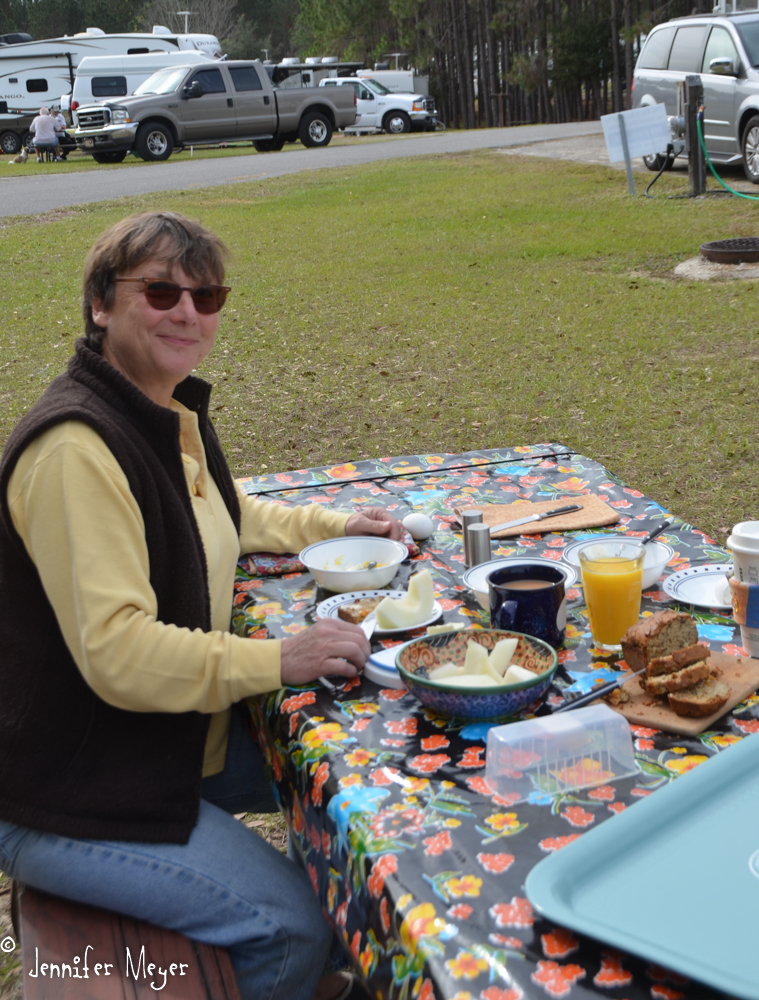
71, 504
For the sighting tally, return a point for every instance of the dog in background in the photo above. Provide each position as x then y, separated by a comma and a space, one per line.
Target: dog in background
22, 157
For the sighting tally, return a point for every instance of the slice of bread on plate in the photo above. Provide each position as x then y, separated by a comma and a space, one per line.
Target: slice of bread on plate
357, 611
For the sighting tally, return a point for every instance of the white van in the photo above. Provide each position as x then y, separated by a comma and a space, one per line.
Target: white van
99, 78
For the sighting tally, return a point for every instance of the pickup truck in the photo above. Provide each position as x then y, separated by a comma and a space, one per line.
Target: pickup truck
14, 130
195, 105
379, 108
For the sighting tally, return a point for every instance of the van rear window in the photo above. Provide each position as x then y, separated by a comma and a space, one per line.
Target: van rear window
109, 86
655, 55
687, 48
245, 78
749, 32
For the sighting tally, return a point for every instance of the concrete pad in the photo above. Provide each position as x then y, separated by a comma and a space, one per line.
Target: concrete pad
701, 269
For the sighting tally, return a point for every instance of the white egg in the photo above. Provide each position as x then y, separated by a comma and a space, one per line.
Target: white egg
419, 526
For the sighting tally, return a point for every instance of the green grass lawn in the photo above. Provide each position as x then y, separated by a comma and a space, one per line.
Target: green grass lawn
446, 303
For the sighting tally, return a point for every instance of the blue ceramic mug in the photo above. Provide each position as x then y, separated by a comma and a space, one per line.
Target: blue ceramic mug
529, 599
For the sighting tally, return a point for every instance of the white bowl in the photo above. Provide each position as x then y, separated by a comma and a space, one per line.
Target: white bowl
658, 555
325, 562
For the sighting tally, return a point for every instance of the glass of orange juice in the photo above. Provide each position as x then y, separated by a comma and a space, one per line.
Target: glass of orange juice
612, 577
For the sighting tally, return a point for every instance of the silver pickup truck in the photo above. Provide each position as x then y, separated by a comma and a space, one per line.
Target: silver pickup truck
206, 105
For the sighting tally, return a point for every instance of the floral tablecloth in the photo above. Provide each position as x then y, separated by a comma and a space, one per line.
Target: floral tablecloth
418, 864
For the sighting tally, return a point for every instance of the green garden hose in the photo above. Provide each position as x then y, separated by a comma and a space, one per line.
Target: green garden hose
748, 197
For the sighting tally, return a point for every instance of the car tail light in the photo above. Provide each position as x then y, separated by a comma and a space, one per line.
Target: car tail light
355, 98
632, 91
74, 105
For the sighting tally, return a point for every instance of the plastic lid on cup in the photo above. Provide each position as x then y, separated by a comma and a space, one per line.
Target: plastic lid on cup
745, 537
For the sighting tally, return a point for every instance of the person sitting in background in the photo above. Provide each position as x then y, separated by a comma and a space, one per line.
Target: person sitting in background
61, 135
43, 130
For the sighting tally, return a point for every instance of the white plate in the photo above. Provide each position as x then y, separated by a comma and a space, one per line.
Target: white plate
328, 608
699, 585
475, 578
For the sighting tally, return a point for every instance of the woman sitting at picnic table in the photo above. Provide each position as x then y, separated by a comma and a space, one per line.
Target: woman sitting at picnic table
122, 755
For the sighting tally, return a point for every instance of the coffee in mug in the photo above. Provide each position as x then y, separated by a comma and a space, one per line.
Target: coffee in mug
529, 599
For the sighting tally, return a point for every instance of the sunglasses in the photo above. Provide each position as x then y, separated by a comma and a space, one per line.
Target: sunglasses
164, 295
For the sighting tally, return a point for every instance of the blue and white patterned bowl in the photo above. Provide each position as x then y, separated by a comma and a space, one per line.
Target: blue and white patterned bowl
420, 656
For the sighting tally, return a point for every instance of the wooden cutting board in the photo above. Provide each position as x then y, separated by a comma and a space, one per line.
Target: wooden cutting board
595, 513
740, 673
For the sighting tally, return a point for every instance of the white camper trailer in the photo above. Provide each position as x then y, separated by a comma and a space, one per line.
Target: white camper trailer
38, 73
99, 78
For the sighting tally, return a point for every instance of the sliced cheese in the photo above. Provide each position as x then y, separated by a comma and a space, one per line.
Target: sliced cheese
500, 658
413, 608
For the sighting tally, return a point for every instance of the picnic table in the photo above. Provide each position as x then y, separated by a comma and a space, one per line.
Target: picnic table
418, 864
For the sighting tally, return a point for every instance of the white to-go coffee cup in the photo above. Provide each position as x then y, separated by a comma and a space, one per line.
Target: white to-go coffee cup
744, 545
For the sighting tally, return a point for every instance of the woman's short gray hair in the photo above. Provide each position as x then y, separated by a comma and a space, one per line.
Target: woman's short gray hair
167, 237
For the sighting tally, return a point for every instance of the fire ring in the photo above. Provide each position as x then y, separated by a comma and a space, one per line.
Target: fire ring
744, 250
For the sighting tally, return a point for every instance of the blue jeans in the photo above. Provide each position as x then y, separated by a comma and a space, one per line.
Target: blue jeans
226, 886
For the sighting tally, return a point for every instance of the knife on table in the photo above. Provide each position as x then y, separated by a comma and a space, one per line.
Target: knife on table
367, 626
598, 692
536, 517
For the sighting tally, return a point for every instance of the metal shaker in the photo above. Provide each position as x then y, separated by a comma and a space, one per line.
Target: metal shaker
468, 518
480, 550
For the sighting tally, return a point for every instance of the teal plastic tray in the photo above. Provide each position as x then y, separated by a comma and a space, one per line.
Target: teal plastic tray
674, 879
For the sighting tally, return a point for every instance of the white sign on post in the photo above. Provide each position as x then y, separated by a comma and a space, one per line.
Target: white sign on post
646, 130
641, 132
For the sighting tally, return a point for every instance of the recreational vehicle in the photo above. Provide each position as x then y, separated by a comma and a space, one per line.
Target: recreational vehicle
40, 72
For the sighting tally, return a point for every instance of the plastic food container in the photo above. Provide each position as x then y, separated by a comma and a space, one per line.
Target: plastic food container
339, 563
558, 753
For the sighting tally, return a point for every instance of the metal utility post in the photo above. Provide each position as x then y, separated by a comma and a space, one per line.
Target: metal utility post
626, 151
694, 98
186, 14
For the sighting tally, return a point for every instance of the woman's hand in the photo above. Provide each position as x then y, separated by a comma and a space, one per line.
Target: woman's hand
331, 646
374, 521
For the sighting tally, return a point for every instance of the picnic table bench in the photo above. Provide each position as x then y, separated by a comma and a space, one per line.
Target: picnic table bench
75, 952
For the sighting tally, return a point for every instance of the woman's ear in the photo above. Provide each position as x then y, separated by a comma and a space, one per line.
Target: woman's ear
99, 313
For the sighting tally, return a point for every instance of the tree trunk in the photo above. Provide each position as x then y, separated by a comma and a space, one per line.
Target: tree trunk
627, 16
616, 83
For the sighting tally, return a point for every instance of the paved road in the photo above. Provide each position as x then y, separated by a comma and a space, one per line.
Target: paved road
32, 195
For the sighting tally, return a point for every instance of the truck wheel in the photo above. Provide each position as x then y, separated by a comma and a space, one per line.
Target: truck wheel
750, 149
396, 122
315, 129
109, 157
268, 145
10, 142
154, 142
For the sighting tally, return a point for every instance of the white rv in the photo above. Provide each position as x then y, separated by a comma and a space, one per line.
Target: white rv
101, 77
37, 73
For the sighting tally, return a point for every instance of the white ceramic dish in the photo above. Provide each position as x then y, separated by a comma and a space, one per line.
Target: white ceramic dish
476, 577
380, 668
328, 609
701, 586
324, 560
658, 555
